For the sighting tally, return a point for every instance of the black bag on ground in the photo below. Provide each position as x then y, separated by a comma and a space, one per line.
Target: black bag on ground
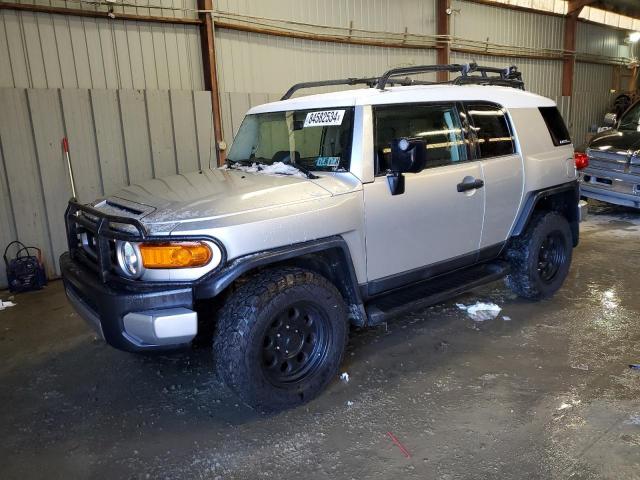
25, 271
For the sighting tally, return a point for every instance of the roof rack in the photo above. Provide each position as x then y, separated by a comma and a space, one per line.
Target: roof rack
370, 81
470, 73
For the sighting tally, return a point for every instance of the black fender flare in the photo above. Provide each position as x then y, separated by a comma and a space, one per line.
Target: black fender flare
566, 190
211, 286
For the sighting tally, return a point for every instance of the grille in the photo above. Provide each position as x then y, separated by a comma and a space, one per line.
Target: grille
608, 160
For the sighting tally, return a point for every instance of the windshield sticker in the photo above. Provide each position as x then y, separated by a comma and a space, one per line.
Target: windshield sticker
321, 119
327, 161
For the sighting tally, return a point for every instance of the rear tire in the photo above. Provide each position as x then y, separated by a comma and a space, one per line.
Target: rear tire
540, 258
281, 337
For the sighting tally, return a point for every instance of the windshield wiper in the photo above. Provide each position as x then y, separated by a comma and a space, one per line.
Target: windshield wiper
304, 170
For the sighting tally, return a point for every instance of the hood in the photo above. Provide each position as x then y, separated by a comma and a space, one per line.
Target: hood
616, 141
215, 193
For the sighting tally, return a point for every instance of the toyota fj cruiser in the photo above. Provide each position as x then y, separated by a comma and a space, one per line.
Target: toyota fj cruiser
332, 209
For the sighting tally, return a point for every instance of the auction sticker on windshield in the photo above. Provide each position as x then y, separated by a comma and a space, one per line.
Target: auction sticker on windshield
324, 118
327, 161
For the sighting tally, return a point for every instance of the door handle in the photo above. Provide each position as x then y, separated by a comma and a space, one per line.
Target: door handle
470, 185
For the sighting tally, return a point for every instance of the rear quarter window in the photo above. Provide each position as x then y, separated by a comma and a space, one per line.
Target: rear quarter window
492, 131
555, 125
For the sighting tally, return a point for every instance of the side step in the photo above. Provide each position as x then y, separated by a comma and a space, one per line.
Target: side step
434, 290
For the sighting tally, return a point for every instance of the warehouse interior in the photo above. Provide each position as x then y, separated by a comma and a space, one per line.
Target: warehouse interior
145, 89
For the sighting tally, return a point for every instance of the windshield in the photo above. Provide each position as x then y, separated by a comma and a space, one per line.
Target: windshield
318, 140
631, 119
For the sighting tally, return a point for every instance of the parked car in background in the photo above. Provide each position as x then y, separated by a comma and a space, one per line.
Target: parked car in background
610, 166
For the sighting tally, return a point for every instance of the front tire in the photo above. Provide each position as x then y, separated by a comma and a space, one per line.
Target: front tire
540, 258
281, 337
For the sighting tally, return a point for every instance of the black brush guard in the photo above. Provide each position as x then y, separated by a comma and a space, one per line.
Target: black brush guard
105, 230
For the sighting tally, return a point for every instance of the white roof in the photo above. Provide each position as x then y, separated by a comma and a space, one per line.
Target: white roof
508, 97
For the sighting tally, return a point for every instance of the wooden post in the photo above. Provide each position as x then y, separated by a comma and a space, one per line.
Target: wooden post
574, 7
443, 31
210, 74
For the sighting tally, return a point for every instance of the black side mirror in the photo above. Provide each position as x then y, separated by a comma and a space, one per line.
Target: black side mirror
407, 156
610, 120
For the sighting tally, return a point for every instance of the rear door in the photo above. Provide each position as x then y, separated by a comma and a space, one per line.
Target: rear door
432, 223
502, 170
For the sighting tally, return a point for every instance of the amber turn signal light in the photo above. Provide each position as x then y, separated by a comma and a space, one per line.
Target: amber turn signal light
175, 254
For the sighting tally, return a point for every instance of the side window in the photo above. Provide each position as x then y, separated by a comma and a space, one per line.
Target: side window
631, 119
555, 125
492, 130
438, 126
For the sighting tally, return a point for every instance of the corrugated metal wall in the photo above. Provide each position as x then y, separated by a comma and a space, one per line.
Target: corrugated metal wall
482, 23
128, 95
601, 40
116, 137
39, 50
255, 68
418, 16
159, 8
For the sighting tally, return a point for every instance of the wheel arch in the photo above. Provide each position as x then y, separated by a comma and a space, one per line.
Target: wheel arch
329, 257
562, 198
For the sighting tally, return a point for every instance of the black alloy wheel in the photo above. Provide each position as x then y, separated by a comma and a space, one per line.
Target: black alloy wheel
295, 343
551, 256
280, 337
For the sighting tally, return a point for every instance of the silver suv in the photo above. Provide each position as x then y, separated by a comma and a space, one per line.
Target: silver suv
332, 210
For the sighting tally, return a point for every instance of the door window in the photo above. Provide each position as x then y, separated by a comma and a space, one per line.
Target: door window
492, 130
438, 126
631, 119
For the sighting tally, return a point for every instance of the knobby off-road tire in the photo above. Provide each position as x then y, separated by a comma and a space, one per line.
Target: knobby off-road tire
280, 338
540, 258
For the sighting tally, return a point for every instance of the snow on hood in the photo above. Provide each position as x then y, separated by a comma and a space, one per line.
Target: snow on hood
276, 168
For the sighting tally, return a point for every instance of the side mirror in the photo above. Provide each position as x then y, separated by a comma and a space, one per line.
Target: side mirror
406, 157
610, 120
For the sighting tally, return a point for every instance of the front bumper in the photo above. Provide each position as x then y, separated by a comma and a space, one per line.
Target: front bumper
620, 188
609, 195
135, 321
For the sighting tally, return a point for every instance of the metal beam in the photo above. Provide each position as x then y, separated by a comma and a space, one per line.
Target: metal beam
574, 8
97, 14
207, 40
443, 29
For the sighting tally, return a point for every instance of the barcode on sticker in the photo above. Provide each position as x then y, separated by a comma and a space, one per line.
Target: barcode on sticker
324, 118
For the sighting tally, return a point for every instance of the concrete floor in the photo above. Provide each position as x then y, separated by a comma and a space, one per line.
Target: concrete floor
546, 394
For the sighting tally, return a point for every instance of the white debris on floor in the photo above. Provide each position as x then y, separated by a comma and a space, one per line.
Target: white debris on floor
4, 305
349, 403
344, 377
480, 311
506, 319
633, 420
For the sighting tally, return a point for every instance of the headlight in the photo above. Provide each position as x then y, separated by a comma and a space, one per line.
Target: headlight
129, 259
180, 254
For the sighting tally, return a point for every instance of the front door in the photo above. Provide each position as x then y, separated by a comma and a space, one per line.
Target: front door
432, 224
